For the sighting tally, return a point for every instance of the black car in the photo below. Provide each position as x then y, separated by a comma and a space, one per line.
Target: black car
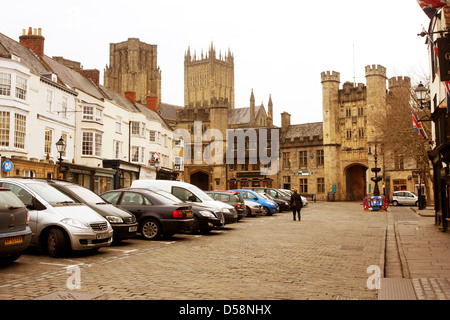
157, 215
206, 218
15, 234
123, 222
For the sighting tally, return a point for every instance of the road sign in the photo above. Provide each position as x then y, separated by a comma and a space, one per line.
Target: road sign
7, 166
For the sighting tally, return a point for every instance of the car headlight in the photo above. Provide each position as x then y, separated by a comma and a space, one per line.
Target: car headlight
226, 210
207, 214
114, 219
75, 223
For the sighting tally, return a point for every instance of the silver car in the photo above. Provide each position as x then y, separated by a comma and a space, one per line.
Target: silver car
405, 197
59, 223
253, 208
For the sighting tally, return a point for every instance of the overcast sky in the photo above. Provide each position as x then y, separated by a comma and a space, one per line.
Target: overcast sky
280, 47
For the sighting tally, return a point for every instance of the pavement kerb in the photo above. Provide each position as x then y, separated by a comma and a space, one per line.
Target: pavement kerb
401, 253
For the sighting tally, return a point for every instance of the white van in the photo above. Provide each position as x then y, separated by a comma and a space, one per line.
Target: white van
59, 223
188, 193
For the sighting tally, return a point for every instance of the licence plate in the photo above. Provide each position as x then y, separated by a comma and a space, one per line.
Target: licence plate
13, 240
132, 229
102, 235
188, 213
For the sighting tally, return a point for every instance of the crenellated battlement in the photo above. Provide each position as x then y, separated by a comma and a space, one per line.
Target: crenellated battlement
399, 82
330, 76
375, 70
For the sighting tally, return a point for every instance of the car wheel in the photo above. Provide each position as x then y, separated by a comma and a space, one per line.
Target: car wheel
56, 243
150, 229
417, 203
248, 212
266, 211
195, 227
395, 203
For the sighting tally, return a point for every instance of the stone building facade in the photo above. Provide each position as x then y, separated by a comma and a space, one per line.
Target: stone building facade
209, 115
335, 156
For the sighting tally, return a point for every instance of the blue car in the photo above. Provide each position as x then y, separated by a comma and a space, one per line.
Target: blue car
269, 207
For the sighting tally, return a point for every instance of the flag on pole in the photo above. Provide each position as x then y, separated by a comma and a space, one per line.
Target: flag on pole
417, 125
447, 94
432, 44
430, 7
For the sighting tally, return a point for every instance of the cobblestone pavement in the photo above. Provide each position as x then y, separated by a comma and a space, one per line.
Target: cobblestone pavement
324, 257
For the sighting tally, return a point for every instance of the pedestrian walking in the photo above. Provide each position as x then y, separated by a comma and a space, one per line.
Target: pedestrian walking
296, 204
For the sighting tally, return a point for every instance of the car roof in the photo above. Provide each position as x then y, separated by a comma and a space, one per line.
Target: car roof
24, 180
224, 191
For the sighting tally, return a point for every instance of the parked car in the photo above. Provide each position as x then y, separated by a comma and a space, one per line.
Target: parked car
157, 215
123, 222
253, 208
288, 193
269, 207
233, 198
58, 222
205, 217
405, 197
189, 193
283, 205
15, 233
280, 198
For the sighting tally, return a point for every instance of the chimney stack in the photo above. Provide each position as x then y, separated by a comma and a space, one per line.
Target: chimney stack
93, 74
152, 103
33, 40
131, 95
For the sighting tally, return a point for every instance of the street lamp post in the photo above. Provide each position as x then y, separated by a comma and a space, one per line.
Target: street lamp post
376, 170
422, 95
61, 148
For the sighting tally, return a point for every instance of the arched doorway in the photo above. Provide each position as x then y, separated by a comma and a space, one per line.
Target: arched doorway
201, 180
355, 178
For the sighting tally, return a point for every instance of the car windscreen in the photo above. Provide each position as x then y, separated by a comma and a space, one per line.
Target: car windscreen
50, 194
263, 195
86, 194
167, 195
200, 194
158, 198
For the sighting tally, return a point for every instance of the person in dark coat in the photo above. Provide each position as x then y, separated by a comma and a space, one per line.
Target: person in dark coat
296, 203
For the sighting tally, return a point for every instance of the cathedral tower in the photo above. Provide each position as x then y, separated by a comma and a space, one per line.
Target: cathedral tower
133, 68
207, 77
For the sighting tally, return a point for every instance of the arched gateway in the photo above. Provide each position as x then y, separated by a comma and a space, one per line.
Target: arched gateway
200, 179
355, 181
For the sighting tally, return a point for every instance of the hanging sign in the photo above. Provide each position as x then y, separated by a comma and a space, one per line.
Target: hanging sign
443, 45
